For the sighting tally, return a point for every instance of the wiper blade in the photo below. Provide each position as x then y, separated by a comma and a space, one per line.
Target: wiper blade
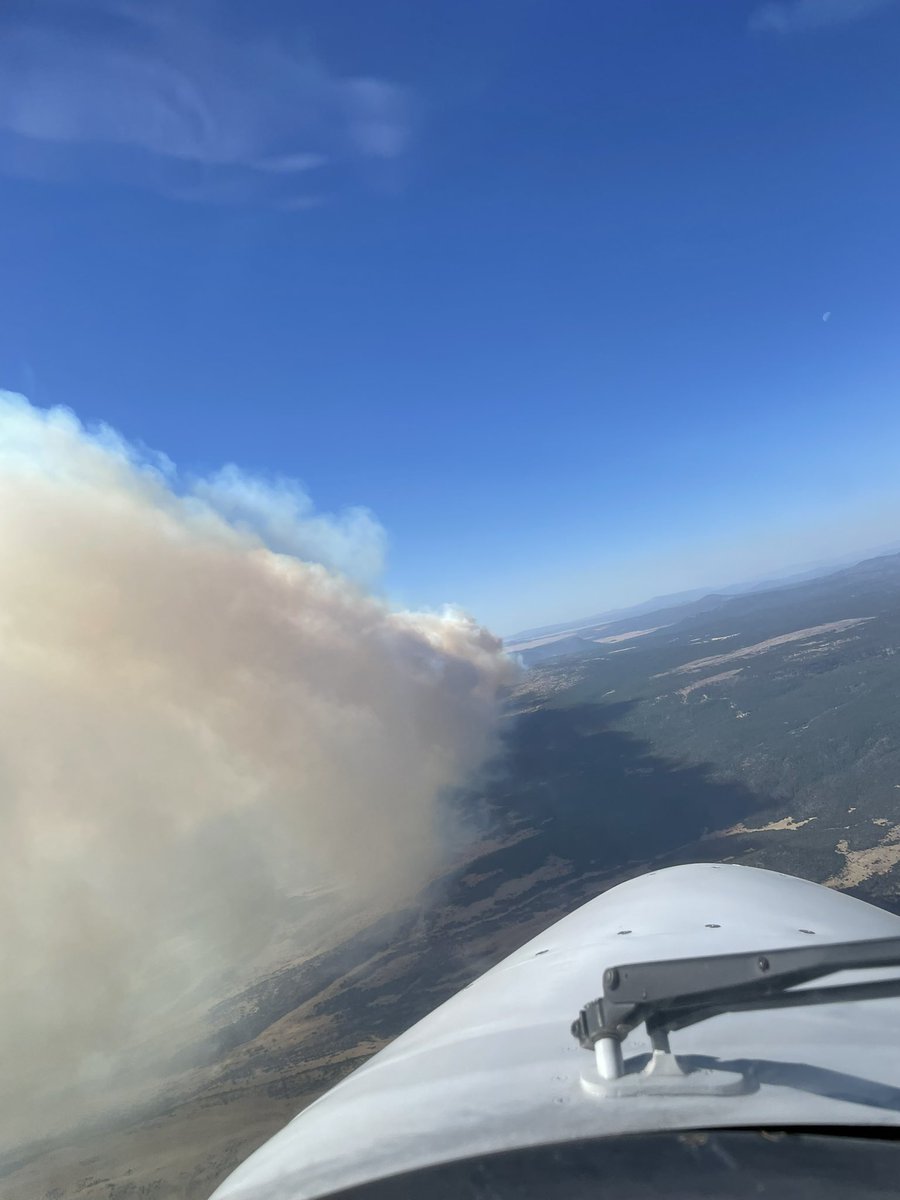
672, 994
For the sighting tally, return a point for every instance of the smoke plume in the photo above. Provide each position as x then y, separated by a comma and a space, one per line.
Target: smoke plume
197, 720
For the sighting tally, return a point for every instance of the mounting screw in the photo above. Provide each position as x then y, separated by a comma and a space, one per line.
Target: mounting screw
612, 979
763, 963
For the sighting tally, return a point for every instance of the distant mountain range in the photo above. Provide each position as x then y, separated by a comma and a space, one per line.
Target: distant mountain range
570, 636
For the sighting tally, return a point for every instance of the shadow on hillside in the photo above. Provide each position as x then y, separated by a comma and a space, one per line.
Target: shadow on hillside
600, 797
588, 803
591, 802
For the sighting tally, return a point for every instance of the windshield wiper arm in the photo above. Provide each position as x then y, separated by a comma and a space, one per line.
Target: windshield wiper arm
675, 993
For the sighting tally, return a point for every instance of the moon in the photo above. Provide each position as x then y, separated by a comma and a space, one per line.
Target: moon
826, 315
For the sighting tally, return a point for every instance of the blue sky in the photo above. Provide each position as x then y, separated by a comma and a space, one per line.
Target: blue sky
543, 285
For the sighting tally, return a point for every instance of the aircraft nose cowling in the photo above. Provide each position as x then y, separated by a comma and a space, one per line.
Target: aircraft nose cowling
496, 1067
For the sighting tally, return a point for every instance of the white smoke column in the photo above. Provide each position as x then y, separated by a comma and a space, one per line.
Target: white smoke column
192, 726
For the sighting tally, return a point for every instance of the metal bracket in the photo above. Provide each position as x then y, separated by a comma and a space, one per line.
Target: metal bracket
670, 995
664, 1076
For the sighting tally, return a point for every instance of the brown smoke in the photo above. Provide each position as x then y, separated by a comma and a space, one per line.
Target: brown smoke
192, 727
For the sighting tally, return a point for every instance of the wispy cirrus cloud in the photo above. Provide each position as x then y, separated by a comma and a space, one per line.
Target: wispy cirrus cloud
798, 16
180, 99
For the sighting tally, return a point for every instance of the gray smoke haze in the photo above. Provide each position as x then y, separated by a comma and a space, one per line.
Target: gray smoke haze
194, 724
